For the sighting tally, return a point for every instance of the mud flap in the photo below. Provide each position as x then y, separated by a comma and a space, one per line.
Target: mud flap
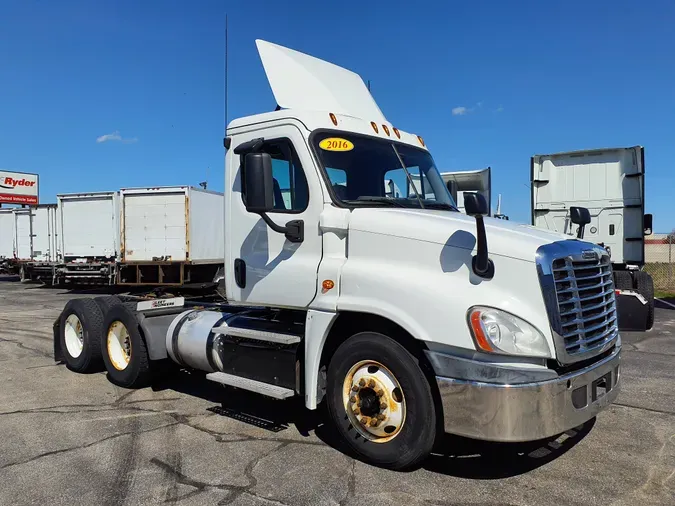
633, 311
58, 354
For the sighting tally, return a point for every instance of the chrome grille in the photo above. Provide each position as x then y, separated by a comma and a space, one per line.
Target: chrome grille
578, 288
585, 292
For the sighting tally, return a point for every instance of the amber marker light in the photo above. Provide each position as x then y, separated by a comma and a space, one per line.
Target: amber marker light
333, 118
478, 333
386, 129
328, 284
374, 125
398, 134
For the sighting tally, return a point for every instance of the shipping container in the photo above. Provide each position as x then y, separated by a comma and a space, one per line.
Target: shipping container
6, 233
176, 224
89, 225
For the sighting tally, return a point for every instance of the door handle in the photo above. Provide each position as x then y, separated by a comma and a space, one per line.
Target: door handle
240, 272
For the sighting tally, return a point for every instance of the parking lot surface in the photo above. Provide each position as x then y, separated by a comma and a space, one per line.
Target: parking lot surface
78, 439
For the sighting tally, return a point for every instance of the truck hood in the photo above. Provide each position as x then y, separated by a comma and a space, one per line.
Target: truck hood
454, 229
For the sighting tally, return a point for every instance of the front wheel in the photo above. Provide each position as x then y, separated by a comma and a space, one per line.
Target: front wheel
380, 401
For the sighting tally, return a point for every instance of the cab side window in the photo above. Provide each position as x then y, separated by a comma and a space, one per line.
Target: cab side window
291, 193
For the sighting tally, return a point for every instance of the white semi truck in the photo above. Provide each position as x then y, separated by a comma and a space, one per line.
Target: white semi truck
402, 316
610, 184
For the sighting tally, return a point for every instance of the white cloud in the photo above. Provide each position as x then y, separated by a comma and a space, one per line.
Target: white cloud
115, 136
460, 111
479, 104
499, 109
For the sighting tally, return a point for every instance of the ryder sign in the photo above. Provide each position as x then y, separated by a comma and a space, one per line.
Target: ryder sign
18, 188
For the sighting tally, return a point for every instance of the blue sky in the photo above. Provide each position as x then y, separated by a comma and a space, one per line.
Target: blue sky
533, 77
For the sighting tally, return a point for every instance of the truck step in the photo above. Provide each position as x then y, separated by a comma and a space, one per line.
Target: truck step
259, 335
266, 389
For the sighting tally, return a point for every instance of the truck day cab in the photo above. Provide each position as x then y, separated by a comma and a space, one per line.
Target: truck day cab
390, 309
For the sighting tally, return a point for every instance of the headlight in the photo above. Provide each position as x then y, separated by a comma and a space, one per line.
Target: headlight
497, 331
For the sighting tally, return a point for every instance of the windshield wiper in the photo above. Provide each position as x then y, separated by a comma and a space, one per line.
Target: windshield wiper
439, 205
408, 176
378, 200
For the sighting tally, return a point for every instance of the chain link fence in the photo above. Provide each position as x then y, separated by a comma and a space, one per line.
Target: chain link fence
660, 261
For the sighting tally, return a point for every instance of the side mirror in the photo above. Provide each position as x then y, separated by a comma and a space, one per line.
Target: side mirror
647, 224
258, 187
258, 182
582, 217
475, 204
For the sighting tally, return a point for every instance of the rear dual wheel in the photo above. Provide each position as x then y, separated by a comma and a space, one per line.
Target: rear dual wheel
123, 348
81, 332
380, 401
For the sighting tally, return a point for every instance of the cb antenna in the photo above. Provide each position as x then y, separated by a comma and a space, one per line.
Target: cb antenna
226, 47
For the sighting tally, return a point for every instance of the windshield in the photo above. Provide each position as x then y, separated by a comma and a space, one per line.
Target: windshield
368, 171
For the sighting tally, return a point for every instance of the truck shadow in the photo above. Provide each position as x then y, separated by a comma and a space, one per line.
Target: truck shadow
454, 456
250, 408
483, 460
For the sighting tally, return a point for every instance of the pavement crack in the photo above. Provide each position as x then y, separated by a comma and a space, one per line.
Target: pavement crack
80, 447
41, 366
351, 485
651, 410
234, 491
27, 348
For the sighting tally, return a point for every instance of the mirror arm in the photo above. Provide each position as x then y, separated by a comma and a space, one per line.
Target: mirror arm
294, 229
580, 231
481, 263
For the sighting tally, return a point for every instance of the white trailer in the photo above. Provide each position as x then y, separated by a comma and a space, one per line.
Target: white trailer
404, 317
89, 226
41, 236
6, 233
23, 234
610, 184
89, 237
45, 233
170, 235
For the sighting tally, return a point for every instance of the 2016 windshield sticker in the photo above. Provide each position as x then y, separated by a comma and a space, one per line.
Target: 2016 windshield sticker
336, 144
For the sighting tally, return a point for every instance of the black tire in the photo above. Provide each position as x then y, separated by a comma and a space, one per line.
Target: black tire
417, 433
105, 302
623, 280
645, 287
90, 317
136, 373
23, 278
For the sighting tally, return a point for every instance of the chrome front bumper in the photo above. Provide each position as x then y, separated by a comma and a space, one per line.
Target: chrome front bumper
529, 411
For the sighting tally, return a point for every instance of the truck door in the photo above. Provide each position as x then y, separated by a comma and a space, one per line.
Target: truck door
262, 266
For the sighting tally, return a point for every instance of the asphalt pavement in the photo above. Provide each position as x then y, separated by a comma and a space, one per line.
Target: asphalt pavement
71, 439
